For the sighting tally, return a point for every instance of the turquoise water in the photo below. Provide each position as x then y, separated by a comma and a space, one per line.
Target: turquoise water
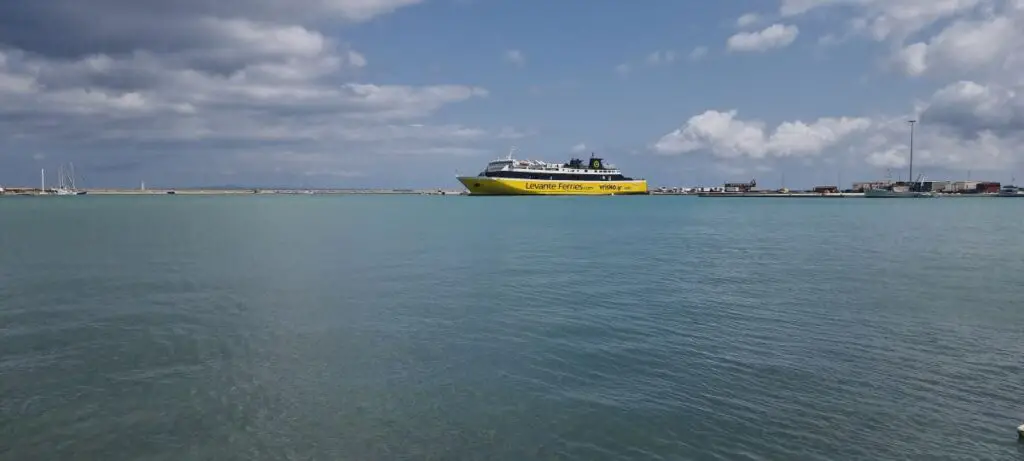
507, 328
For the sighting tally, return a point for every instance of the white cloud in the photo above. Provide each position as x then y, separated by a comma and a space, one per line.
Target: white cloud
897, 19
967, 46
579, 148
973, 109
60, 88
661, 57
937, 148
263, 38
747, 20
958, 38
913, 58
795, 7
284, 89
515, 57
965, 125
893, 157
726, 136
362, 10
209, 82
356, 59
653, 59
698, 53
975, 121
213, 27
774, 36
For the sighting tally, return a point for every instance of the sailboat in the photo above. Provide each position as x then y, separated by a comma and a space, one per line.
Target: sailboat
62, 183
71, 178
66, 181
898, 190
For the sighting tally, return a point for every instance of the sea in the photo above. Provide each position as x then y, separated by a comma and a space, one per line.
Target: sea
317, 327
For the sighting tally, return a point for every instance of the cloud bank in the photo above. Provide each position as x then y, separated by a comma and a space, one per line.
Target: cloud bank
119, 80
974, 121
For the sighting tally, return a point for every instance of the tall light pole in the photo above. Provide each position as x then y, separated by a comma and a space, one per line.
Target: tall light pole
911, 122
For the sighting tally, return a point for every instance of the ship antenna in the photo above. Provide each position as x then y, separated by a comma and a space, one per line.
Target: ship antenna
511, 151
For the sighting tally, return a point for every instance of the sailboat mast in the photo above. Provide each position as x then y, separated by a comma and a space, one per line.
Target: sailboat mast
911, 122
42, 180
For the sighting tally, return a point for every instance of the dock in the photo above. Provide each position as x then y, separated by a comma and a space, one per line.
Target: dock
782, 195
18, 191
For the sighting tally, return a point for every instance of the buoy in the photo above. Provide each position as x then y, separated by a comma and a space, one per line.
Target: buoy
1020, 432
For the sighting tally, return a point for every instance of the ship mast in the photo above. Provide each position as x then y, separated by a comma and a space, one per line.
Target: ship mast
911, 176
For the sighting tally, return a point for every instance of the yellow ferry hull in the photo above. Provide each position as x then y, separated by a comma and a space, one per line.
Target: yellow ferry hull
480, 185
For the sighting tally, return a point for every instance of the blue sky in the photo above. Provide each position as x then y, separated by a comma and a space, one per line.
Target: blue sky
404, 93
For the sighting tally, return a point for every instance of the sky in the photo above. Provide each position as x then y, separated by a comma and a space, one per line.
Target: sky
409, 93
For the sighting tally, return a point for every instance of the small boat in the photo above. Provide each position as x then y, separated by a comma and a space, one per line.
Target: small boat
898, 191
903, 190
1010, 191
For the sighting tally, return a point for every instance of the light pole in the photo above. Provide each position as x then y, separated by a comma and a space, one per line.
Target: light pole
911, 122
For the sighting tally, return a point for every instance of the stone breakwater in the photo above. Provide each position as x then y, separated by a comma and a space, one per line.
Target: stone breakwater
37, 192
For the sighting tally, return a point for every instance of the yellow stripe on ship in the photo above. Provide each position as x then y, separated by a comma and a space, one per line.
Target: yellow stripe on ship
479, 185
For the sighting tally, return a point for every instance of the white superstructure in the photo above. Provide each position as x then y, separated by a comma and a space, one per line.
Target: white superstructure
539, 167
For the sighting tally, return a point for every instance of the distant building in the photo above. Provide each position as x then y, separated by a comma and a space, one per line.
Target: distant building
870, 185
826, 190
936, 186
740, 187
965, 186
987, 187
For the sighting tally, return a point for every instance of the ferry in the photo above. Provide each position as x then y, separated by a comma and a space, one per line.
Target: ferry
511, 176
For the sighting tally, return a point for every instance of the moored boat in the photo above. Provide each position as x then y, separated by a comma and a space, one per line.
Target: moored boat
903, 190
1010, 191
897, 192
511, 176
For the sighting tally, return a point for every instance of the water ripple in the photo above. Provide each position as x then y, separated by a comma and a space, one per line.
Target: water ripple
441, 328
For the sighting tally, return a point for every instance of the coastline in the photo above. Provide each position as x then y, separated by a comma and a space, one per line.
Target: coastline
804, 195
214, 191
35, 192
